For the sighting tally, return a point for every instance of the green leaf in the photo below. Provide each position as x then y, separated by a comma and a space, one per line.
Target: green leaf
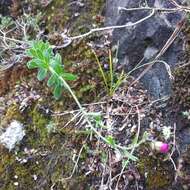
111, 141
58, 58
35, 44
47, 55
104, 157
40, 55
32, 64
58, 68
69, 76
42, 46
94, 114
44, 59
31, 53
129, 155
41, 74
49, 50
52, 80
57, 92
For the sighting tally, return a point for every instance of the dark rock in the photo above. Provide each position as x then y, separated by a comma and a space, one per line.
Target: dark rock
4, 7
145, 40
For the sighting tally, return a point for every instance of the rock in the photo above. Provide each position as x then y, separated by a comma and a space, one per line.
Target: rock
145, 40
13, 135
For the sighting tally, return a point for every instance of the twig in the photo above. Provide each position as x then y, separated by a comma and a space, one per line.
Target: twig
72, 119
150, 8
187, 9
14, 40
76, 162
113, 27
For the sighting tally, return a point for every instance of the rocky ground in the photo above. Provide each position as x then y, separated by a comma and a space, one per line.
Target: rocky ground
57, 150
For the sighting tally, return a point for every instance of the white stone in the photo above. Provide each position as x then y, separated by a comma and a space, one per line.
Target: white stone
35, 177
16, 183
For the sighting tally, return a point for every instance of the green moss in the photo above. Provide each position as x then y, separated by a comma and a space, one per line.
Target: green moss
158, 173
51, 162
61, 13
54, 152
38, 127
12, 113
181, 93
181, 96
78, 57
89, 83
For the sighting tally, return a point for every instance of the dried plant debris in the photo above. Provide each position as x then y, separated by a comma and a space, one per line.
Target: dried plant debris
56, 149
120, 117
130, 111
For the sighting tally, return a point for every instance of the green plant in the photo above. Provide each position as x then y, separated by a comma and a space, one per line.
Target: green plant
51, 65
111, 80
45, 61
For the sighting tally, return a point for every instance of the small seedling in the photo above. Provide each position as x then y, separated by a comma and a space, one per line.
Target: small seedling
110, 78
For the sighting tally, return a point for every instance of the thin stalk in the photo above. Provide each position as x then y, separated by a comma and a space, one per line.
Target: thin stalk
118, 83
101, 70
111, 71
85, 114
65, 84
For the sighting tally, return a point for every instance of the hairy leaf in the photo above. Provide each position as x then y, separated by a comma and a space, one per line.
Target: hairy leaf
57, 91
52, 80
44, 59
42, 73
32, 64
58, 68
111, 141
31, 53
69, 76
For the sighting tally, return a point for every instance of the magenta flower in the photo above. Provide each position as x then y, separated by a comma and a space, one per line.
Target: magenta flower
160, 146
164, 148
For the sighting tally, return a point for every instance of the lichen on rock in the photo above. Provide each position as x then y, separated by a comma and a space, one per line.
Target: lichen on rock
13, 135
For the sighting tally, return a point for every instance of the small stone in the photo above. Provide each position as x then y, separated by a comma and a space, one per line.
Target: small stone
16, 183
35, 177
76, 14
24, 161
16, 177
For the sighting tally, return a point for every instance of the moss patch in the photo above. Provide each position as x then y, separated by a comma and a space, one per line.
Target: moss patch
78, 16
158, 174
43, 159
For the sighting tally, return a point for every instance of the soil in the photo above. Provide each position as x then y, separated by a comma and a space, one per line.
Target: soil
47, 155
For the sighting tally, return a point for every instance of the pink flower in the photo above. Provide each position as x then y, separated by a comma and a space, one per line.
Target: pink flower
160, 146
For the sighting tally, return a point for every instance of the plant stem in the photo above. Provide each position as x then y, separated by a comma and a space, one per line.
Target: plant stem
111, 72
78, 104
101, 71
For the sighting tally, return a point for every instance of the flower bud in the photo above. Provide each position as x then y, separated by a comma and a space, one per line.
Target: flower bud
160, 146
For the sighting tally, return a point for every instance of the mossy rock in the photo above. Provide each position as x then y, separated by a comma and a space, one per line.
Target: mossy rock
181, 87
158, 174
78, 16
42, 160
